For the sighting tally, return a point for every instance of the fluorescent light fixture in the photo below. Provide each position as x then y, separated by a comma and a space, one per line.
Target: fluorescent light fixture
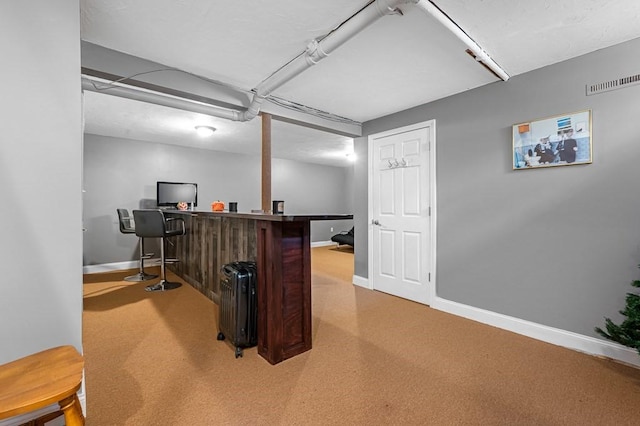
205, 131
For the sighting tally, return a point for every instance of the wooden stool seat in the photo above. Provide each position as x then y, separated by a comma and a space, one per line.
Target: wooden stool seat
38, 380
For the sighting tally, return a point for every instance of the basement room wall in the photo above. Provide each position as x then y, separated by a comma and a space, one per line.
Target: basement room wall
122, 173
314, 189
40, 171
555, 246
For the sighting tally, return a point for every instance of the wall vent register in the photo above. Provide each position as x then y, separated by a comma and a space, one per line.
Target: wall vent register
618, 83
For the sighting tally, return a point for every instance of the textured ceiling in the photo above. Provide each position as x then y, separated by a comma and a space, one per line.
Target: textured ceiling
125, 118
398, 62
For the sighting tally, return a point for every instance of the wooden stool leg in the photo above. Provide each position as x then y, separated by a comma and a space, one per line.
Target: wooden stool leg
72, 411
43, 420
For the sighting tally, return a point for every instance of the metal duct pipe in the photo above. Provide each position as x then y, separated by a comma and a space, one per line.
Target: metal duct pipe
478, 52
315, 52
157, 98
318, 50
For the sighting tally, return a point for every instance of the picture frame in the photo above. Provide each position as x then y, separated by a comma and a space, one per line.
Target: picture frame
560, 140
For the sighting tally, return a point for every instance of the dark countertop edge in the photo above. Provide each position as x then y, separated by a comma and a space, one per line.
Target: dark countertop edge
262, 216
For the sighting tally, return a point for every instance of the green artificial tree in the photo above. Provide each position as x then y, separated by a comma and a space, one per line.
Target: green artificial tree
628, 332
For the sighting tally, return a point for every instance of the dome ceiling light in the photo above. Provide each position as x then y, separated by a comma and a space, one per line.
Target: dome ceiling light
205, 131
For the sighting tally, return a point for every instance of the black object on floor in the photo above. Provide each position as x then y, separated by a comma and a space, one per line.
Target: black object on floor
238, 308
344, 238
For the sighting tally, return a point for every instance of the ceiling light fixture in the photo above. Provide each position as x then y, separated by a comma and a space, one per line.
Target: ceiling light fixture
205, 131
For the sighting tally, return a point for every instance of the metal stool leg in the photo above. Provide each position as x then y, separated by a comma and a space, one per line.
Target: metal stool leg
163, 285
141, 276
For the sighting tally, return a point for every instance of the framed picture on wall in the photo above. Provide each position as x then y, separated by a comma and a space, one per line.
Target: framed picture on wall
561, 140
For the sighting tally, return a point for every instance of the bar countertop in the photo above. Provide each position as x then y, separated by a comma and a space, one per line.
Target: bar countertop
263, 216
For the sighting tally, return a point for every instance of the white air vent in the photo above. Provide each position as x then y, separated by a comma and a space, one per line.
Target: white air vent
618, 83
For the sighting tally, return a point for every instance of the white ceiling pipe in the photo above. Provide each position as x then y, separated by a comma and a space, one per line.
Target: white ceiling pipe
479, 53
135, 93
318, 50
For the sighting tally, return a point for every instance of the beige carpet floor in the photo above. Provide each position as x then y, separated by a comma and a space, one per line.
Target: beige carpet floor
153, 359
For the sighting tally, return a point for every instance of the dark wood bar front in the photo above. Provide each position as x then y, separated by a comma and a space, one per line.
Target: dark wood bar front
280, 246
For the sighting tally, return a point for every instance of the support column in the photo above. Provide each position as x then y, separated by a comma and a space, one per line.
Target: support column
266, 162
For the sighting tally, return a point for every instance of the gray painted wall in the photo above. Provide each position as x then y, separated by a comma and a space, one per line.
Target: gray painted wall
40, 171
555, 246
122, 173
360, 206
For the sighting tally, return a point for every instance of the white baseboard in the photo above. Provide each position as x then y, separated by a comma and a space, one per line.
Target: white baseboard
58, 421
555, 336
323, 243
361, 281
117, 266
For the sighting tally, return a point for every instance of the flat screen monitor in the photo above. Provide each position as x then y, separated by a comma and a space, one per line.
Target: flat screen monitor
171, 193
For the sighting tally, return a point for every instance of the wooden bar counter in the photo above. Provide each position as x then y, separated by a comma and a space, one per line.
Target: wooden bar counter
280, 246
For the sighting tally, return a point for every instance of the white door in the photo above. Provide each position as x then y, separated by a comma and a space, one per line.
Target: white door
400, 255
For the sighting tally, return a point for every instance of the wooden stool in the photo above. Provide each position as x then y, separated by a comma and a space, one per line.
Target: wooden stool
42, 379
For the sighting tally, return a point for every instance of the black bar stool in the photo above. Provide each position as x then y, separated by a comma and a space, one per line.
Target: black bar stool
151, 223
127, 227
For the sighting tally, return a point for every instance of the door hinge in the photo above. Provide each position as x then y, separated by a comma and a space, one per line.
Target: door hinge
429, 276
